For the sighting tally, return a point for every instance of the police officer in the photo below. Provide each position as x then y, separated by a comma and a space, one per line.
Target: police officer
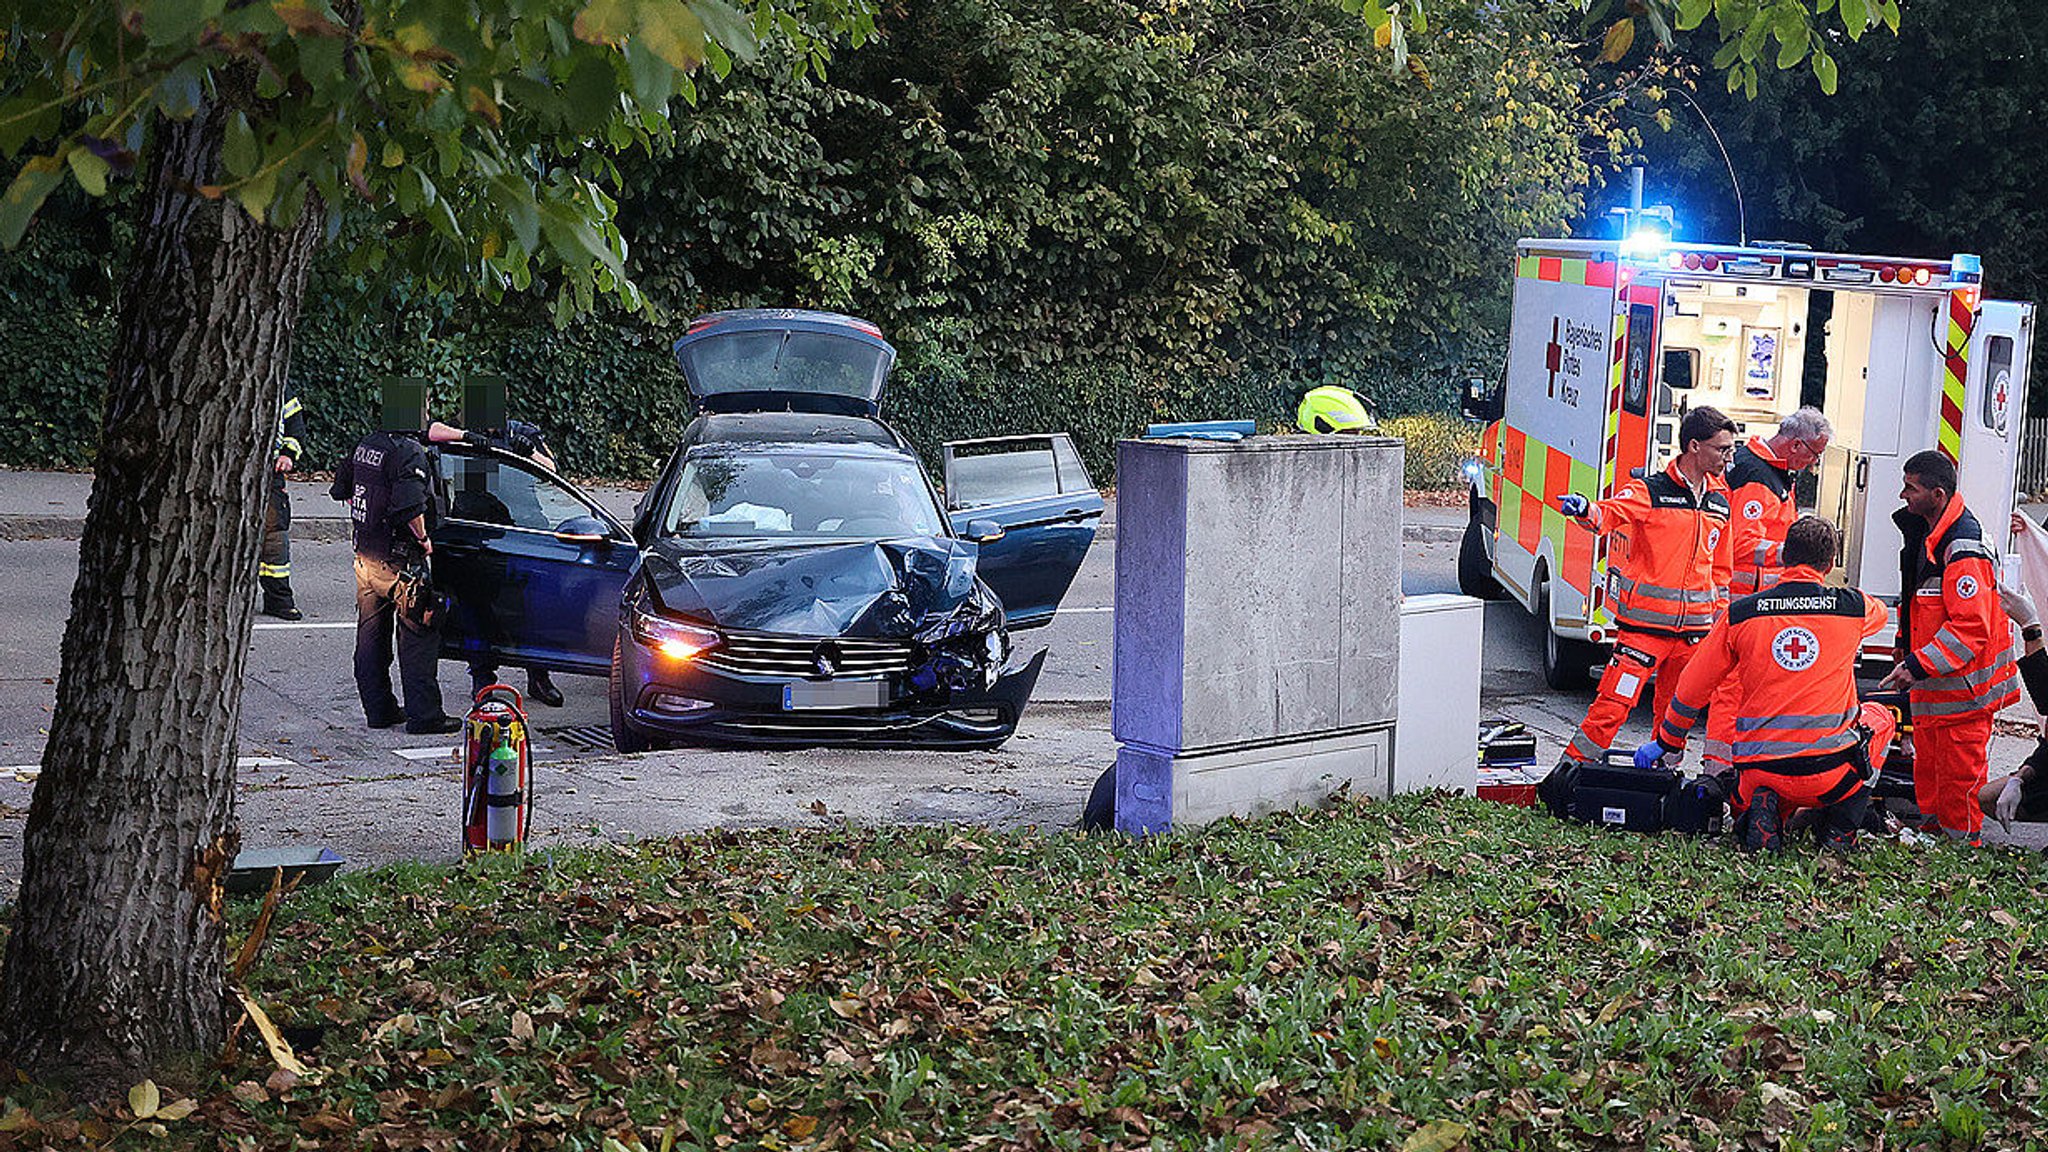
388, 483
1802, 740
1673, 557
274, 567
526, 440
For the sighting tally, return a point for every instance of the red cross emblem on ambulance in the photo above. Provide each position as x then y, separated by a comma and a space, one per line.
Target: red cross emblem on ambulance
1553, 355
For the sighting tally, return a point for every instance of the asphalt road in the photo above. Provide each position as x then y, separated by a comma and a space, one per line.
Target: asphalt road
312, 775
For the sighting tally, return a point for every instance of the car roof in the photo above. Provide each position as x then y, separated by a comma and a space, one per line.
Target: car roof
861, 434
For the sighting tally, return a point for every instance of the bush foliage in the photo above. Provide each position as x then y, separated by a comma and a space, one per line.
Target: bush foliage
1084, 215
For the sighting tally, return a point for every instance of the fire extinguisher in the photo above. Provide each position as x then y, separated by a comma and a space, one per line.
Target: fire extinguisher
497, 773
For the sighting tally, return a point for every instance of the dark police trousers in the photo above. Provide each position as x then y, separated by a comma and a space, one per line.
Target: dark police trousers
419, 650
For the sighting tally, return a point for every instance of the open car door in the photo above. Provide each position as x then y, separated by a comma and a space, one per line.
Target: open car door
1035, 488
533, 567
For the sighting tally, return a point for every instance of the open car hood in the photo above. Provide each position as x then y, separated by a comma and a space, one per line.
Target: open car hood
869, 588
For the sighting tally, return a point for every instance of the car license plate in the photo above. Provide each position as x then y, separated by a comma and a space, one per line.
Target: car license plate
833, 694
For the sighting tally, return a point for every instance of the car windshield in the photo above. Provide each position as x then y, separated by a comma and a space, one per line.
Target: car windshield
801, 494
783, 360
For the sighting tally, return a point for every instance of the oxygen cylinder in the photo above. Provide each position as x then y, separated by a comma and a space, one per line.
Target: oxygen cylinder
504, 799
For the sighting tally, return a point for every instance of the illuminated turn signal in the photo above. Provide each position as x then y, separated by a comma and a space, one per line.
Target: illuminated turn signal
673, 639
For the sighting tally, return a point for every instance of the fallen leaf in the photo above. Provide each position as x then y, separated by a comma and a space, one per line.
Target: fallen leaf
2003, 918
522, 1026
144, 1099
280, 1051
818, 808
249, 1092
845, 1009
178, 1109
1435, 1136
800, 1127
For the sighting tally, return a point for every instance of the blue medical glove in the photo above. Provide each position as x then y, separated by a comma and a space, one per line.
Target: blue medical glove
1652, 753
1573, 504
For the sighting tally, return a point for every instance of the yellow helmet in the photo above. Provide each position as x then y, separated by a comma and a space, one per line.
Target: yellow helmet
1333, 409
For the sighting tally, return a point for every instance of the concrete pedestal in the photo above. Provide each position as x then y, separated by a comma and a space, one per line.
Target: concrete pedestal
1257, 623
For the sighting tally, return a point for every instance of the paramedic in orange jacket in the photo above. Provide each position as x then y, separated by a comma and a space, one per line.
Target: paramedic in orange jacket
1954, 649
1670, 565
1761, 507
1792, 650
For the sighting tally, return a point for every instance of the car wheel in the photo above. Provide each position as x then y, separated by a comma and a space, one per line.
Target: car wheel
625, 737
1566, 662
1475, 567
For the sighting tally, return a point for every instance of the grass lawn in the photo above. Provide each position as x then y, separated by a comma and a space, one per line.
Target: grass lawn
1425, 974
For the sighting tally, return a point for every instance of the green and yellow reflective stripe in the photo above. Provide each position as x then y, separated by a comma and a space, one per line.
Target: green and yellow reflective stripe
292, 407
280, 571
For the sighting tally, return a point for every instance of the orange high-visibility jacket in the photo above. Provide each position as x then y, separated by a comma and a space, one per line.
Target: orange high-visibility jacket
1794, 646
1761, 508
1673, 553
1953, 632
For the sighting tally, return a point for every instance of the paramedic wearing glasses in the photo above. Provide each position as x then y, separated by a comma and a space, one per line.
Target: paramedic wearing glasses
1672, 559
1761, 507
1955, 646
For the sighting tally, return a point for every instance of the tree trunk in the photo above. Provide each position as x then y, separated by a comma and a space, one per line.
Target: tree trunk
116, 965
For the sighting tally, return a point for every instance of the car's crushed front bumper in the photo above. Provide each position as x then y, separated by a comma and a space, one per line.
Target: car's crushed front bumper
703, 705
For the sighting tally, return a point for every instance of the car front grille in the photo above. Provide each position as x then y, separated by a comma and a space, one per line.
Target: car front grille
796, 657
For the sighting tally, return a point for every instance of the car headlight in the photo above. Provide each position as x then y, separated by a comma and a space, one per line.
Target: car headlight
672, 638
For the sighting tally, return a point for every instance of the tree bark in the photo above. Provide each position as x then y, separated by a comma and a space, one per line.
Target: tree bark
115, 968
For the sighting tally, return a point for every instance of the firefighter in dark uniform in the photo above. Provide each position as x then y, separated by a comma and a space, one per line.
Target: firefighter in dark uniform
388, 483
274, 565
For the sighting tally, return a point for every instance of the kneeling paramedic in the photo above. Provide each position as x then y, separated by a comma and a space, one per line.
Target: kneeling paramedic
1801, 738
1674, 554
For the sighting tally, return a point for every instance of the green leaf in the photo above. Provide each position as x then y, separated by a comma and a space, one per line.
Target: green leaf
1693, 13
1890, 11
672, 32
1435, 1136
654, 81
1418, 20
727, 26
89, 170
590, 95
515, 199
254, 195
177, 22
32, 185
1792, 49
26, 118
239, 152
179, 92
1856, 17
1616, 43
1658, 26
576, 243
1824, 70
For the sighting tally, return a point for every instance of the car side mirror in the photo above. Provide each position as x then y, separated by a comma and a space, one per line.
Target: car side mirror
588, 531
984, 531
1481, 400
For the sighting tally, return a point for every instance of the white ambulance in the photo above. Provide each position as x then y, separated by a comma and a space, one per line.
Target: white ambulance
1610, 346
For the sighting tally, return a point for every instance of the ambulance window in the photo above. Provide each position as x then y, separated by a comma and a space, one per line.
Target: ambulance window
1997, 382
1681, 367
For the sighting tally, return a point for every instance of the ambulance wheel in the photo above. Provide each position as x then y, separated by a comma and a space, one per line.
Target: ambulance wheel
625, 737
1475, 567
1566, 662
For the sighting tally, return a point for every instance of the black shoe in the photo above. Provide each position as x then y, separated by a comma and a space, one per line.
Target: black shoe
439, 726
392, 721
278, 600
540, 686
1765, 831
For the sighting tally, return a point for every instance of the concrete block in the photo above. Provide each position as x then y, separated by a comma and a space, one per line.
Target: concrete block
1258, 588
1157, 789
1435, 738
1257, 592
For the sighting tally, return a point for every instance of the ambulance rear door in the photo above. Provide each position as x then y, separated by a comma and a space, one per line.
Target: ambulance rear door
1994, 396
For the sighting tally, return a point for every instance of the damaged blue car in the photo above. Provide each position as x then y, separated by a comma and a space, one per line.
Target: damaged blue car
793, 577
